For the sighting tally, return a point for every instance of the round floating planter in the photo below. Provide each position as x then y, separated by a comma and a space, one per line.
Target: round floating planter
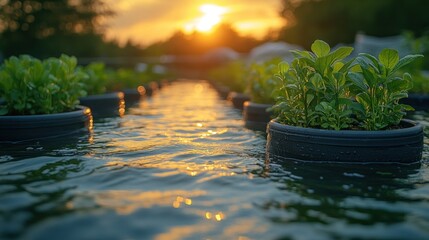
151, 88
221, 90
105, 105
134, 95
256, 115
419, 102
33, 127
163, 83
238, 99
402, 145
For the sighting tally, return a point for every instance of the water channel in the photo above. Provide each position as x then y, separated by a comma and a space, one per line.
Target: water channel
180, 165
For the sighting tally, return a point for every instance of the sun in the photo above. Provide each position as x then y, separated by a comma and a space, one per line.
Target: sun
212, 15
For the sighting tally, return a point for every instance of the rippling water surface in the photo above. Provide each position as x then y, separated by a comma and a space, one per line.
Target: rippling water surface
181, 166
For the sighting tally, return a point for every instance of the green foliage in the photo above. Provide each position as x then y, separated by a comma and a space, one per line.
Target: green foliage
417, 68
124, 78
420, 82
338, 21
379, 89
262, 84
31, 86
231, 74
321, 89
97, 78
314, 90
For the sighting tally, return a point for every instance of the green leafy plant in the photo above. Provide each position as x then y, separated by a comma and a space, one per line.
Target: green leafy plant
31, 86
314, 90
420, 82
97, 78
261, 83
419, 68
124, 78
379, 89
231, 75
321, 89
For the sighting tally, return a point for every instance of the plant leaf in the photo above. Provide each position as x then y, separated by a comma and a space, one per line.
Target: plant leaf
303, 54
320, 48
389, 58
405, 61
283, 68
375, 64
340, 53
310, 98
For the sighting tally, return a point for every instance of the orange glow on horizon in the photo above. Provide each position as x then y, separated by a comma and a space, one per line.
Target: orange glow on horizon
212, 16
136, 18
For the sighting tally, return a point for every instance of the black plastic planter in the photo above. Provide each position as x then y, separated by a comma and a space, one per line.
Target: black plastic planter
419, 102
34, 127
134, 95
222, 90
105, 105
238, 99
151, 88
256, 116
403, 145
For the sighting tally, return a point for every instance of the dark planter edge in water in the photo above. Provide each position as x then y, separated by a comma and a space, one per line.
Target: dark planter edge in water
255, 115
237, 99
403, 145
151, 88
105, 105
133, 96
419, 101
222, 90
21, 128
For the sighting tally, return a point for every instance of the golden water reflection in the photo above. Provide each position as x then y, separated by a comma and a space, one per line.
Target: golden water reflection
191, 148
215, 169
126, 202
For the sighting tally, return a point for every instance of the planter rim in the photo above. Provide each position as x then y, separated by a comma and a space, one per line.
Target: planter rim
413, 129
238, 94
42, 117
418, 94
259, 105
138, 89
23, 128
108, 95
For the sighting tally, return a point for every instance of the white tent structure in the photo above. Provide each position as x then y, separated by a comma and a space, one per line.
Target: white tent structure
374, 45
270, 50
221, 54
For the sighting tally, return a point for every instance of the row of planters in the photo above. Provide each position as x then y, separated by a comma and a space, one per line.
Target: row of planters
107, 89
330, 108
56, 97
250, 88
228, 82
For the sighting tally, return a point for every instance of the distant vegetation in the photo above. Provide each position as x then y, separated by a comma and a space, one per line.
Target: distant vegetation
224, 35
338, 21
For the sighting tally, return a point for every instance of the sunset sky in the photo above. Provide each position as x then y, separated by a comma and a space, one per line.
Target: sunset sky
148, 21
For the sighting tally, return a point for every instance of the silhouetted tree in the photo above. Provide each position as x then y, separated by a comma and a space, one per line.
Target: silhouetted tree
49, 27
